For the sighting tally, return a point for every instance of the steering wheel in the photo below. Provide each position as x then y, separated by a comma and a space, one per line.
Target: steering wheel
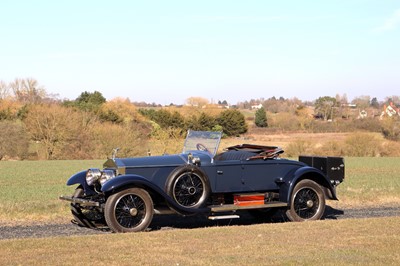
201, 147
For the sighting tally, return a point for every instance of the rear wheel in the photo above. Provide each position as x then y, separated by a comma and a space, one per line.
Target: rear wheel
85, 217
307, 202
129, 210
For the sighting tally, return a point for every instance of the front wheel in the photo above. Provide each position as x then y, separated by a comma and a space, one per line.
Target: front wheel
129, 210
85, 216
307, 202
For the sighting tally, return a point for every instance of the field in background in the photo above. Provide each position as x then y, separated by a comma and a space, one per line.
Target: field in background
29, 190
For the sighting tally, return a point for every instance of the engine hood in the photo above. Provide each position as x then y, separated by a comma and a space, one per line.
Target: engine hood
152, 161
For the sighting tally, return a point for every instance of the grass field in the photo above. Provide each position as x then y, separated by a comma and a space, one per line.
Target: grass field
29, 193
29, 190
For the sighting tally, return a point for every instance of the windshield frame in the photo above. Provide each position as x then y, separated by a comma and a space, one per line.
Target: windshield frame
209, 139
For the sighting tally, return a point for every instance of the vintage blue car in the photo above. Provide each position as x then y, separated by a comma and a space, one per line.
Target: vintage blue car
127, 192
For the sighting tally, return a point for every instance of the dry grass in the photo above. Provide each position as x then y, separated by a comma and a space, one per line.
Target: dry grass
372, 241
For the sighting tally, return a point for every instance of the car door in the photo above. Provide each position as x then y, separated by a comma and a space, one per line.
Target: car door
228, 176
260, 175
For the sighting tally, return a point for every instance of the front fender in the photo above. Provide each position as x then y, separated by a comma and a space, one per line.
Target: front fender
80, 178
124, 181
305, 172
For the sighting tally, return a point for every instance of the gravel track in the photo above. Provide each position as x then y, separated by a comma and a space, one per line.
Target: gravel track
171, 222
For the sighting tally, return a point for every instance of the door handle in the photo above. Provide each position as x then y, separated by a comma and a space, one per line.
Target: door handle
219, 172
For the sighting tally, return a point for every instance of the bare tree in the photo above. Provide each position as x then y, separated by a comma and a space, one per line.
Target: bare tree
4, 90
197, 101
54, 127
362, 101
28, 90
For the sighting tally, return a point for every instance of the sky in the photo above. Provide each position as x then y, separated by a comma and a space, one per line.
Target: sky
168, 51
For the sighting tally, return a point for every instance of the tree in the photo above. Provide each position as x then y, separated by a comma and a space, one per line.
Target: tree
375, 103
14, 142
197, 101
28, 91
362, 102
164, 118
261, 118
56, 128
88, 101
119, 110
324, 107
203, 122
232, 122
4, 90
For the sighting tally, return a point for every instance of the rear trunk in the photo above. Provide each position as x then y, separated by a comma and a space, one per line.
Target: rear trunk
332, 167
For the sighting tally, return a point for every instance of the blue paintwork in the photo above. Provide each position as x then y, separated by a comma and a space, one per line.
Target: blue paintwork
124, 181
306, 171
224, 176
230, 176
80, 178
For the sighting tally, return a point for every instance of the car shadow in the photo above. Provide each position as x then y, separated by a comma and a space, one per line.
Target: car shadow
332, 213
169, 222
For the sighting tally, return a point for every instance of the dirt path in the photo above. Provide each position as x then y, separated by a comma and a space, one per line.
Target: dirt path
173, 222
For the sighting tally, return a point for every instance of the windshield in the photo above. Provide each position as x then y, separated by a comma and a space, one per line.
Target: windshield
203, 141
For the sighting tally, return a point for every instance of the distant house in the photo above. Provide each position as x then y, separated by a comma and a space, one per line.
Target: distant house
257, 106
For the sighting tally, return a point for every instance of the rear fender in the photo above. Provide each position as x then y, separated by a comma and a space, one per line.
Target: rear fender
306, 173
125, 181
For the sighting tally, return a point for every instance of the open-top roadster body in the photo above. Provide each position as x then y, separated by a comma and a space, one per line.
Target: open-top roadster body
127, 192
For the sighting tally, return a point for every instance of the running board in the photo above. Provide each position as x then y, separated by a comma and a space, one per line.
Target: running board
222, 217
234, 207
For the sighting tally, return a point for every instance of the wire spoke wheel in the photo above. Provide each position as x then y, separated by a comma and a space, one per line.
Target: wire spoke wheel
129, 210
307, 202
84, 216
188, 189
188, 186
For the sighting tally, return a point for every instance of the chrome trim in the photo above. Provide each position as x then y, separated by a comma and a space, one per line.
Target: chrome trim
233, 207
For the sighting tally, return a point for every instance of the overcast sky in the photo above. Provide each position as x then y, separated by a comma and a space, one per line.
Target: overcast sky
167, 51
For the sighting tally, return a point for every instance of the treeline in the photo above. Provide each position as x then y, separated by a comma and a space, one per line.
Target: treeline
230, 122
37, 125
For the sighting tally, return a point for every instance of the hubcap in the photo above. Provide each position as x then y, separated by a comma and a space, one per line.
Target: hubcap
130, 210
306, 203
133, 212
188, 189
192, 191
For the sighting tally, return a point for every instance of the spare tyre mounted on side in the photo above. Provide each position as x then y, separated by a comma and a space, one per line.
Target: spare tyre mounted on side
188, 185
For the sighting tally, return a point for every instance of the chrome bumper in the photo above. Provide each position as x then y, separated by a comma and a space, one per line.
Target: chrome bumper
82, 202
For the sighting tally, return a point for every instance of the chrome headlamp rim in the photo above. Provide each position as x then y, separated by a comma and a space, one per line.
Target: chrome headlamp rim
106, 175
92, 175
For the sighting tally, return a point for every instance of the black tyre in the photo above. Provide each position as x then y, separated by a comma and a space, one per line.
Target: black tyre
307, 202
188, 186
85, 217
129, 210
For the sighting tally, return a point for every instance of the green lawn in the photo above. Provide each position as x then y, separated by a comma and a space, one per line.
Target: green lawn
29, 190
